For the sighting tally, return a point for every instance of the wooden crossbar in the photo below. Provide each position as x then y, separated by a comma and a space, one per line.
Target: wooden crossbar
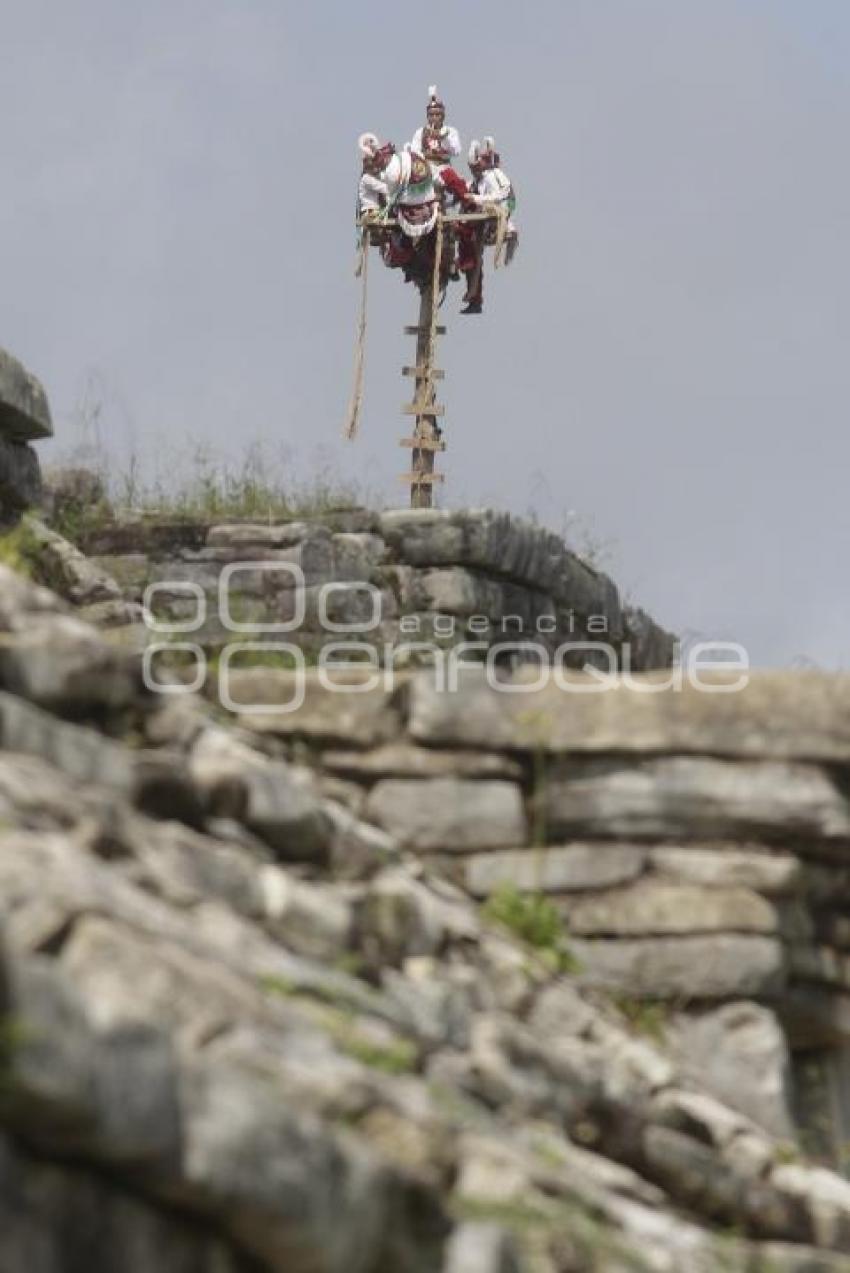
423, 444
459, 218
421, 372
423, 331
422, 479
423, 408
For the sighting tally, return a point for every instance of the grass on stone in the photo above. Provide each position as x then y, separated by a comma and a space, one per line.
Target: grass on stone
199, 484
647, 1016
19, 550
556, 1232
75, 519
396, 1058
536, 920
391, 1056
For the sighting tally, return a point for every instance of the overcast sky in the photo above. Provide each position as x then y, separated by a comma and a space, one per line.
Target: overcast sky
666, 363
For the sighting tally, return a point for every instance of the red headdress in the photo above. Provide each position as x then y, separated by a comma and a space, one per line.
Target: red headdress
371, 148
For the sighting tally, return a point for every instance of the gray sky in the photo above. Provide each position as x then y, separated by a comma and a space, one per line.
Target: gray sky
666, 360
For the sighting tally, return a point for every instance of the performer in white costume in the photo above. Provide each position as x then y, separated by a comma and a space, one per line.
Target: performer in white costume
436, 140
490, 187
372, 192
408, 183
411, 201
491, 183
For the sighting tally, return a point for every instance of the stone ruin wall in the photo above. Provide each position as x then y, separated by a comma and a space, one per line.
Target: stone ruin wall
433, 576
697, 844
217, 930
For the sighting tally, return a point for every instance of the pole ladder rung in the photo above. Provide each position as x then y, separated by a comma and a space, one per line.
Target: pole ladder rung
422, 372
423, 444
423, 408
422, 479
424, 331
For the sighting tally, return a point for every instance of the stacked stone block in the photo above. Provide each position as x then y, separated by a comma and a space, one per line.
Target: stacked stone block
252, 1016
24, 418
434, 577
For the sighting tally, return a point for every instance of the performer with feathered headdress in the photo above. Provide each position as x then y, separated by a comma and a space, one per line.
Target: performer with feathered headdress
491, 190
436, 140
372, 191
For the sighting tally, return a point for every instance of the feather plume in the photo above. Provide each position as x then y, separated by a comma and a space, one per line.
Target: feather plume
432, 91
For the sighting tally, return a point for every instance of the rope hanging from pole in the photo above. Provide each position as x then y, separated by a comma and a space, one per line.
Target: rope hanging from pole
503, 216
435, 291
362, 272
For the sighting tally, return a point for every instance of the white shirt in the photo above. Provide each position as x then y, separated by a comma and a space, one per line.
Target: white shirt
493, 186
449, 138
370, 192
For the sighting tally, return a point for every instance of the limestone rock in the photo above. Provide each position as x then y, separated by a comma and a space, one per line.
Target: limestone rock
312, 921
481, 1248
238, 782
399, 917
773, 874
650, 646
740, 1054
57, 1217
553, 869
719, 966
355, 714
654, 907
20, 477
70, 491
404, 760
64, 567
458, 592
699, 798
496, 544
776, 715
78, 752
55, 660
455, 814
827, 1197
24, 411
239, 535
114, 1093
357, 555
284, 1185
242, 1028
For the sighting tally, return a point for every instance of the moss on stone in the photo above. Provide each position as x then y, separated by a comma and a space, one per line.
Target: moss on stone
19, 550
536, 920
399, 1057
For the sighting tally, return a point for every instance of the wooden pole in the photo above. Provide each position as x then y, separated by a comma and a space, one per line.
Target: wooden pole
426, 430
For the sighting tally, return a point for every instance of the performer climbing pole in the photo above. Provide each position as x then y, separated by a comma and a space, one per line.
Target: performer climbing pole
428, 222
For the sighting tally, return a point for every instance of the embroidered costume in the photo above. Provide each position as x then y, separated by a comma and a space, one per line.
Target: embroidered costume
401, 193
436, 140
491, 188
411, 193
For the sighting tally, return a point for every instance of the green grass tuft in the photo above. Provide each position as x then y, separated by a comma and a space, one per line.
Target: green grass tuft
392, 1058
536, 920
19, 550
646, 1015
